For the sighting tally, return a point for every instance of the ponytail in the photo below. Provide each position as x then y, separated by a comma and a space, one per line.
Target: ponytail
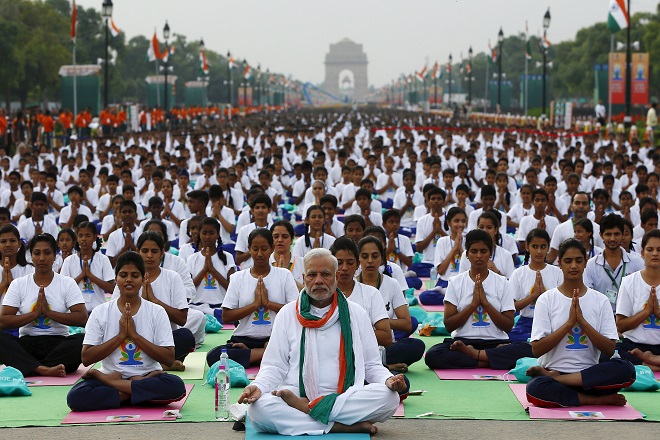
221, 251
308, 242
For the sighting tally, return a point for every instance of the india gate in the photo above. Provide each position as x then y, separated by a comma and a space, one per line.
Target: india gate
346, 71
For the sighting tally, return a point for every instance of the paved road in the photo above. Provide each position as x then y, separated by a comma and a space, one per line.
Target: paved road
406, 429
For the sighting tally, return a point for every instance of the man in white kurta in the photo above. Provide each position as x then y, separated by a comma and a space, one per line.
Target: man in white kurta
355, 409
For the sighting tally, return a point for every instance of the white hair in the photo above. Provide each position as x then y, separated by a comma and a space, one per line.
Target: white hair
317, 253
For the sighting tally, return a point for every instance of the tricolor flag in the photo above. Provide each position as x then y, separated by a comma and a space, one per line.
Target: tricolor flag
74, 21
528, 49
203, 62
114, 30
165, 56
618, 17
421, 75
469, 67
153, 53
436, 71
493, 53
232, 64
247, 72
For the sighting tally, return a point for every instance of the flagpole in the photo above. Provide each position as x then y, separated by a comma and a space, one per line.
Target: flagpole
487, 78
75, 83
609, 80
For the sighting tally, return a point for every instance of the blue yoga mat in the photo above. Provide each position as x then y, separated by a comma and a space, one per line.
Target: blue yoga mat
251, 434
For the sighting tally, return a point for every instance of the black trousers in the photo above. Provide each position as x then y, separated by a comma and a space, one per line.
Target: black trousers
29, 352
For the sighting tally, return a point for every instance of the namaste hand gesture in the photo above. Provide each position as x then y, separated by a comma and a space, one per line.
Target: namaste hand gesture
478, 294
575, 315
539, 288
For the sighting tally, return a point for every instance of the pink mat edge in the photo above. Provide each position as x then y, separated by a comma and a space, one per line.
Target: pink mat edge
519, 390
83, 418
469, 373
69, 379
400, 411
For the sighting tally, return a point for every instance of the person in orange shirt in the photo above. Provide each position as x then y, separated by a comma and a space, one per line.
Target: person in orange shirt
48, 125
81, 124
3, 128
65, 119
143, 120
121, 120
87, 114
106, 122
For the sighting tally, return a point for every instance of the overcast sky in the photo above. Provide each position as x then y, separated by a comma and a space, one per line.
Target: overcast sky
293, 36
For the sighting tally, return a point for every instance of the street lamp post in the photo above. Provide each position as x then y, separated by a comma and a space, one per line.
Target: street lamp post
107, 13
258, 84
546, 25
500, 41
166, 35
449, 76
628, 118
229, 78
470, 53
245, 84
267, 87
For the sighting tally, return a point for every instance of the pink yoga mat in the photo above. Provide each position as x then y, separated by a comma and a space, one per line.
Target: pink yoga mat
657, 375
252, 372
586, 412
68, 380
472, 374
126, 413
399, 411
437, 308
228, 326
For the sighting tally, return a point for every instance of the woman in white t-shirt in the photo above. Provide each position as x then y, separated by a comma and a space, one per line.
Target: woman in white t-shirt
638, 309
479, 313
211, 268
89, 268
573, 327
192, 231
283, 234
529, 281
501, 260
447, 258
315, 236
42, 305
584, 231
253, 299
404, 350
12, 257
131, 337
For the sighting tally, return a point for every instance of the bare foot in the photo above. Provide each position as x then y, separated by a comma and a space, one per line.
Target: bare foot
239, 346
299, 403
176, 366
646, 356
540, 371
361, 427
151, 374
465, 349
56, 371
610, 399
399, 368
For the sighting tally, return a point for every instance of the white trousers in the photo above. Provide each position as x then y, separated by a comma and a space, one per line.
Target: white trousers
373, 403
196, 323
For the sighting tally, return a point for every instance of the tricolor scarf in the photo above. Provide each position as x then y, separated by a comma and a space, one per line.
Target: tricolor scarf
321, 407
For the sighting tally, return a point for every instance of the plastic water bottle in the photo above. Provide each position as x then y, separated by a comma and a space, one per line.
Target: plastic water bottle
222, 389
383, 354
280, 213
434, 277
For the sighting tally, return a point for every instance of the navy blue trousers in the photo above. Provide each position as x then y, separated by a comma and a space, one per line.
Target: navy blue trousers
29, 352
184, 343
240, 355
440, 357
599, 380
626, 345
432, 298
522, 331
92, 395
405, 351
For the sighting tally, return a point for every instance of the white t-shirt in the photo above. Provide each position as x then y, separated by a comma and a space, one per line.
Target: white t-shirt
62, 293
383, 180
575, 352
65, 214
424, 229
186, 251
473, 220
632, 299
281, 289
529, 222
116, 241
522, 282
565, 231
27, 227
242, 242
371, 300
177, 209
168, 288
297, 267
100, 266
517, 212
209, 290
171, 232
408, 217
228, 214
498, 294
501, 258
405, 248
151, 322
300, 249
392, 296
442, 249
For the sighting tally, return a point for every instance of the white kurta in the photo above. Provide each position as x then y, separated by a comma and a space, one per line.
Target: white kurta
280, 367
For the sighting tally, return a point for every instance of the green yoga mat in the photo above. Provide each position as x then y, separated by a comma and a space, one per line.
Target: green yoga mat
194, 366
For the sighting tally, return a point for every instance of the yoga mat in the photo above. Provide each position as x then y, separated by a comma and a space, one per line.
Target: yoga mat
251, 434
126, 413
252, 372
433, 308
472, 374
68, 380
400, 412
657, 375
585, 412
194, 363
228, 326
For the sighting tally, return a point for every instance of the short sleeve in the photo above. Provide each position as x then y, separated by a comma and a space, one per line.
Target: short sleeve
625, 298
179, 300
454, 290
95, 327
541, 324
290, 288
163, 328
106, 269
13, 296
233, 292
507, 296
242, 240
72, 292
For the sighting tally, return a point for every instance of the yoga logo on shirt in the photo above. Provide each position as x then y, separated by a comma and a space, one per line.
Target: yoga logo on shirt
210, 283
130, 353
532, 305
651, 323
41, 322
393, 258
261, 317
577, 338
455, 265
88, 286
480, 317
